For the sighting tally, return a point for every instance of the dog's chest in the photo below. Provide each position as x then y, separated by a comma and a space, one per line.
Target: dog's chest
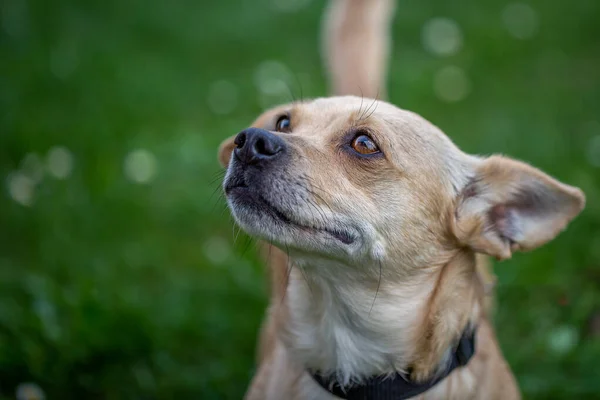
344, 335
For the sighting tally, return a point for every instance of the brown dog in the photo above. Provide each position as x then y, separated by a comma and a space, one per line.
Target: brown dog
382, 217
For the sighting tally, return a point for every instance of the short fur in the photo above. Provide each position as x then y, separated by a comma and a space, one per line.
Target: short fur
421, 216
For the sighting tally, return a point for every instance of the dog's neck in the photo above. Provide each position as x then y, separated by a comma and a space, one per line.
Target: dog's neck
347, 321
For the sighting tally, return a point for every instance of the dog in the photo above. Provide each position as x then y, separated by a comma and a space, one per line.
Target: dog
382, 227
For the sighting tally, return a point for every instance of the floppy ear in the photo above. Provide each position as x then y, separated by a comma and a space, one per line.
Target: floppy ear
225, 150
509, 205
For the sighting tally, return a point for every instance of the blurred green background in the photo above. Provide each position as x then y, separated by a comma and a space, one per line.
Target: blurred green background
119, 275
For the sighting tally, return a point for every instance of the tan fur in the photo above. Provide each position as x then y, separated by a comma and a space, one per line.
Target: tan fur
358, 30
425, 216
455, 290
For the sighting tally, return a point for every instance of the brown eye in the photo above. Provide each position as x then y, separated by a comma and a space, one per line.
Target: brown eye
283, 124
364, 145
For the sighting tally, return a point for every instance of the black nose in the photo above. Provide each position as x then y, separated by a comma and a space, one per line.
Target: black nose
254, 145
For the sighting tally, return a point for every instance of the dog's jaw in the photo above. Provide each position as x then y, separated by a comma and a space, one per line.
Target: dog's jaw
263, 220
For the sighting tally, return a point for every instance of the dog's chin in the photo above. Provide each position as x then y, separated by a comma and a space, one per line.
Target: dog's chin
265, 221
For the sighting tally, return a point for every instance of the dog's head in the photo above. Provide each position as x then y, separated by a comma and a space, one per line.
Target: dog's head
362, 180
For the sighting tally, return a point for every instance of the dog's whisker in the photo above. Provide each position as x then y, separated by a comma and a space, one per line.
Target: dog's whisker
289, 266
218, 176
217, 187
306, 279
376, 105
287, 281
223, 211
249, 241
215, 191
362, 98
312, 204
236, 235
218, 184
361, 115
312, 213
321, 199
290, 91
220, 199
299, 83
313, 187
376, 291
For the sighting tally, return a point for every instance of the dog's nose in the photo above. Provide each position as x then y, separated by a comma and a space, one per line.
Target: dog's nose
254, 145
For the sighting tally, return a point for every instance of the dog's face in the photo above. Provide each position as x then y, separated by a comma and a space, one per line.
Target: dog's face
361, 180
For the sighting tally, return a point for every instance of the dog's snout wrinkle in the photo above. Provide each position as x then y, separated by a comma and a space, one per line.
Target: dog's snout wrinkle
255, 146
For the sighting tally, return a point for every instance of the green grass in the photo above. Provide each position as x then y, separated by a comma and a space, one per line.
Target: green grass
113, 289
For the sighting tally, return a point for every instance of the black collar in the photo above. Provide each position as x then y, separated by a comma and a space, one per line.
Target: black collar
399, 387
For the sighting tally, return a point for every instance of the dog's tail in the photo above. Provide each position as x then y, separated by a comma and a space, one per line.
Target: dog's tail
356, 41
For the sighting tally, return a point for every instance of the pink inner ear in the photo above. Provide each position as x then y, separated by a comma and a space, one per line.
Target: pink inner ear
498, 217
504, 220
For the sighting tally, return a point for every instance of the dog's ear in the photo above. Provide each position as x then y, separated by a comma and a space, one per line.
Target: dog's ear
509, 205
225, 150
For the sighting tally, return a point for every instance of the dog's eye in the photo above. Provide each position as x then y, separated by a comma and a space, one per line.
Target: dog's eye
283, 124
364, 145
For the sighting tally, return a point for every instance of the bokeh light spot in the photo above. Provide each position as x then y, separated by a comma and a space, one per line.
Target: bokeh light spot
29, 391
269, 72
441, 37
273, 80
222, 97
21, 188
521, 20
562, 339
59, 162
32, 167
451, 84
217, 250
140, 166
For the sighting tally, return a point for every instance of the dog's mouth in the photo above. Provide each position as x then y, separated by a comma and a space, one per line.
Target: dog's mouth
241, 195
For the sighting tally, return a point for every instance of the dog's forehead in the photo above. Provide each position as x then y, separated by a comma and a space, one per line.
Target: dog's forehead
346, 110
335, 112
